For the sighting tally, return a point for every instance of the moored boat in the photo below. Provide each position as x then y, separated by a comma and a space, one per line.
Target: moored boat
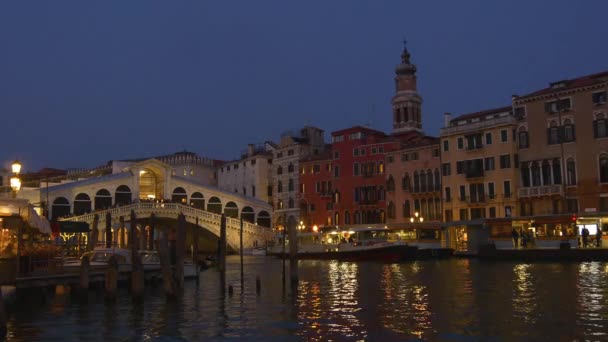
348, 244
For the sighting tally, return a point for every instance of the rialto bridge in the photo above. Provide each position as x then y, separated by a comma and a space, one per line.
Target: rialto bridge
150, 187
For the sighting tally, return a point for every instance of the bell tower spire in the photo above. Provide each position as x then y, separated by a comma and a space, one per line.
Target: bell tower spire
407, 102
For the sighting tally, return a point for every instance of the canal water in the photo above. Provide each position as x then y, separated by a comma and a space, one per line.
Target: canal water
444, 300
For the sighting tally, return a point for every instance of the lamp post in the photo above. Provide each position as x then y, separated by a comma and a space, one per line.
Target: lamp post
416, 219
15, 180
301, 226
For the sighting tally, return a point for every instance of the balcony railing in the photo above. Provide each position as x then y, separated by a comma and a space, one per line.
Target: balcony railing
475, 173
538, 191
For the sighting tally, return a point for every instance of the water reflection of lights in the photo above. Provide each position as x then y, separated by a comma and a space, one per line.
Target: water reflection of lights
590, 287
333, 300
524, 296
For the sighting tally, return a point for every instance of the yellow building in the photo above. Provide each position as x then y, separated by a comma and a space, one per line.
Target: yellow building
479, 165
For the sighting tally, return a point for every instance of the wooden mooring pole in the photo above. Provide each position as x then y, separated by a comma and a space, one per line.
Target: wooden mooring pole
195, 250
241, 252
108, 230
222, 254
84, 273
163, 254
137, 269
111, 278
293, 252
94, 235
3, 328
151, 237
180, 250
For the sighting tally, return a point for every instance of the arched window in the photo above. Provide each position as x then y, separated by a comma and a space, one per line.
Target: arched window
231, 210
179, 195
290, 202
280, 186
525, 174
429, 180
103, 199
553, 133
279, 170
437, 180
60, 208
406, 209
280, 204
214, 205
422, 182
381, 167
122, 195
197, 201
405, 182
336, 218
390, 183
357, 217
571, 171
546, 171
248, 215
523, 138
264, 219
82, 204
290, 185
557, 171
603, 168
290, 168
346, 217
568, 131
416, 182
535, 174
600, 126
390, 210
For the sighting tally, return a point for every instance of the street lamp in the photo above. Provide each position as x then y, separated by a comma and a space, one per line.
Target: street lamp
417, 218
15, 180
301, 226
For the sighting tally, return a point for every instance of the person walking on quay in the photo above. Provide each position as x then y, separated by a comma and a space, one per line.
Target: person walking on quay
585, 235
598, 238
515, 235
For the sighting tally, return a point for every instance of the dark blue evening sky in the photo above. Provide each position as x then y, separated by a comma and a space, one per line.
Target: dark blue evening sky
84, 82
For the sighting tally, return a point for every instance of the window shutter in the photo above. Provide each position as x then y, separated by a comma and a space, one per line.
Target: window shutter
573, 132
548, 136
595, 123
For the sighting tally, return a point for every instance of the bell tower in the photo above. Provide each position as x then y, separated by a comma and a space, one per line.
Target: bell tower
407, 103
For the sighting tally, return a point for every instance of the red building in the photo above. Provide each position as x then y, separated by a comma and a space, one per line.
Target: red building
315, 195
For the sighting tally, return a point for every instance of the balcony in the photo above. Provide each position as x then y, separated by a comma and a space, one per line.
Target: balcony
474, 147
539, 191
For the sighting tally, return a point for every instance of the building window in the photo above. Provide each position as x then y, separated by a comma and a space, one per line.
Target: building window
600, 126
462, 193
391, 210
446, 169
290, 168
390, 183
603, 161
519, 112
356, 152
505, 161
446, 146
290, 152
253, 191
290, 203
571, 171
437, 180
599, 98
491, 191
557, 171
279, 204
459, 167
448, 216
414, 156
569, 135
572, 205
405, 182
435, 153
535, 174
389, 159
477, 213
316, 168
492, 212
523, 138
460, 143
279, 170
362, 151
336, 171
186, 171
416, 182
336, 155
489, 138
290, 185
553, 134
508, 211
546, 172
374, 150
464, 214
557, 105
448, 194
489, 163
380, 167
504, 135
603, 204
506, 189
406, 209
338, 138
476, 193
280, 187
356, 169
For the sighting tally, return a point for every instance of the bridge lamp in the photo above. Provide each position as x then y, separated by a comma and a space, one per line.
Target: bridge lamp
16, 167
15, 180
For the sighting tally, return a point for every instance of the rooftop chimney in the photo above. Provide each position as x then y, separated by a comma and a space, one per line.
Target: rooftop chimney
249, 150
447, 117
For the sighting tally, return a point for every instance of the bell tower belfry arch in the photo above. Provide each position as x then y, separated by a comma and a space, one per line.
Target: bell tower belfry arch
407, 103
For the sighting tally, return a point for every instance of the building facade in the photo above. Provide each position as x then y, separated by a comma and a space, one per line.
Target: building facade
285, 177
414, 182
563, 148
251, 175
479, 165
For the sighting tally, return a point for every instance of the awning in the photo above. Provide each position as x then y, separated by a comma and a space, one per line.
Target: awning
22, 208
72, 227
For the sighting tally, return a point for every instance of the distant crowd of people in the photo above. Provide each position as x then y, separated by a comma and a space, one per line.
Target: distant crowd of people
526, 238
